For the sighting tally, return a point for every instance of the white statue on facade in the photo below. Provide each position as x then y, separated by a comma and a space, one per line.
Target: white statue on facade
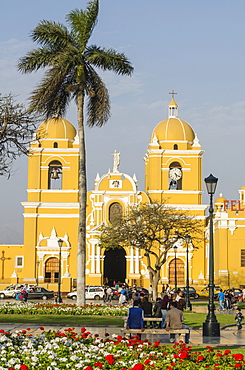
116, 162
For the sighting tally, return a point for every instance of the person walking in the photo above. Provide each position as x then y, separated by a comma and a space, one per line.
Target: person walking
239, 317
164, 307
180, 300
157, 312
221, 297
150, 290
174, 320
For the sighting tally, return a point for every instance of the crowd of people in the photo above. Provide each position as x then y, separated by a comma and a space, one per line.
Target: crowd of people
169, 308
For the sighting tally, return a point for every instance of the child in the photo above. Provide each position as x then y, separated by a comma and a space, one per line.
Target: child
239, 317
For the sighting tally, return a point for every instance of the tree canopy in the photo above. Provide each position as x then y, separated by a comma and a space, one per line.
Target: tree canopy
17, 126
154, 229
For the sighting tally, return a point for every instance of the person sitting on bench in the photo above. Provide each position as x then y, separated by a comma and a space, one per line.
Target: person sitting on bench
135, 317
174, 320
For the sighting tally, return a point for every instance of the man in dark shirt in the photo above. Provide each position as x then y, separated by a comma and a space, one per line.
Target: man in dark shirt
164, 307
135, 317
147, 308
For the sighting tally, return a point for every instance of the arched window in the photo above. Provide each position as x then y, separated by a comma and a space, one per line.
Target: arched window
175, 176
55, 175
55, 145
115, 212
175, 147
51, 270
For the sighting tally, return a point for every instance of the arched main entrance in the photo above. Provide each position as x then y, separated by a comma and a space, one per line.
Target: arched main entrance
180, 272
115, 266
51, 270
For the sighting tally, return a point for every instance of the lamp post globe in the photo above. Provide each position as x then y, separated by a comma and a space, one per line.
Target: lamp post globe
211, 327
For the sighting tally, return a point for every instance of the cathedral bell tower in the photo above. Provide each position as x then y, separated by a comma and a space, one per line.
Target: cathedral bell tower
51, 210
173, 161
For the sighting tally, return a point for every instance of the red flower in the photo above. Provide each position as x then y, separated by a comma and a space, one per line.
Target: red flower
107, 335
99, 364
227, 352
41, 328
183, 355
238, 356
138, 367
83, 330
23, 332
88, 368
218, 355
238, 365
147, 361
23, 367
200, 358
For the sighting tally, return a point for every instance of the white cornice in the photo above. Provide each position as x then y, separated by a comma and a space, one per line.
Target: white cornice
49, 215
48, 191
51, 205
175, 192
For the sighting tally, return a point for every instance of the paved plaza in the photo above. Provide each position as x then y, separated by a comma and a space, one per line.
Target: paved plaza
228, 337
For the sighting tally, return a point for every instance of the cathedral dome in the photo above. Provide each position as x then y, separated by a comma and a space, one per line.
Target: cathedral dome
220, 199
56, 128
173, 128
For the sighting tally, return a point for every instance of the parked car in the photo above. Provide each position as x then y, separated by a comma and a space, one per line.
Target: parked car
192, 292
91, 292
40, 293
205, 291
10, 291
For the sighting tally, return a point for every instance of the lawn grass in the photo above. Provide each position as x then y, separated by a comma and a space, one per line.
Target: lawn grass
62, 320
194, 320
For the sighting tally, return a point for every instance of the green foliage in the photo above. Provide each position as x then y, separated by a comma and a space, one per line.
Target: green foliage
153, 228
69, 64
17, 126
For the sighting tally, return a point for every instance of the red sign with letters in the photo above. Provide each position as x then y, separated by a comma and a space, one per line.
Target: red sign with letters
234, 204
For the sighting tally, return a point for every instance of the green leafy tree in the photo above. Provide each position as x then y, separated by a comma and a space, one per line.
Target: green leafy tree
71, 73
17, 126
154, 229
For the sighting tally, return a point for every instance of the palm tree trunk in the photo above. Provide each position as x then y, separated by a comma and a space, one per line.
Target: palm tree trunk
81, 252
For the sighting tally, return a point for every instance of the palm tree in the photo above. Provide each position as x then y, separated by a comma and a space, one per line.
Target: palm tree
70, 74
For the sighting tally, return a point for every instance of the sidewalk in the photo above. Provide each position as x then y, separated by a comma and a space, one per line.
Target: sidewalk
229, 337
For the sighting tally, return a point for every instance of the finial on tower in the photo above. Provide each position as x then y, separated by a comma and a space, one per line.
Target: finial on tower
173, 93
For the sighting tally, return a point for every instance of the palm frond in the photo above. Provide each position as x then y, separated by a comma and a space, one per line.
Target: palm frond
98, 106
82, 23
51, 34
52, 96
36, 59
109, 60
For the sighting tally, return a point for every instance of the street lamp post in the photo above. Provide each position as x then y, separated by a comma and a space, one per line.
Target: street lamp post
188, 303
211, 327
59, 299
175, 268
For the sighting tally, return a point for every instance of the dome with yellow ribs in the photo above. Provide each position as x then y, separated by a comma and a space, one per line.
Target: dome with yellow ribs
220, 199
173, 128
56, 128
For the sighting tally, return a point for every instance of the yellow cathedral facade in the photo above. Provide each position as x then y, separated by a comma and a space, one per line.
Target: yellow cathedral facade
173, 173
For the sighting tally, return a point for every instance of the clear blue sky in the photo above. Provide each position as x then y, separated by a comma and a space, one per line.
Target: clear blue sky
195, 47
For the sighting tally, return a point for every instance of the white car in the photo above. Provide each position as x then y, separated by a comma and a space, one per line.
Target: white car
9, 292
91, 292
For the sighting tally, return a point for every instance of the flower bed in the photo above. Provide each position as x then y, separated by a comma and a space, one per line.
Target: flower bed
69, 350
62, 309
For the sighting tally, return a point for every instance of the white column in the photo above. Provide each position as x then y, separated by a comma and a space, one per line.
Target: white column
137, 261
98, 260
92, 258
131, 268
